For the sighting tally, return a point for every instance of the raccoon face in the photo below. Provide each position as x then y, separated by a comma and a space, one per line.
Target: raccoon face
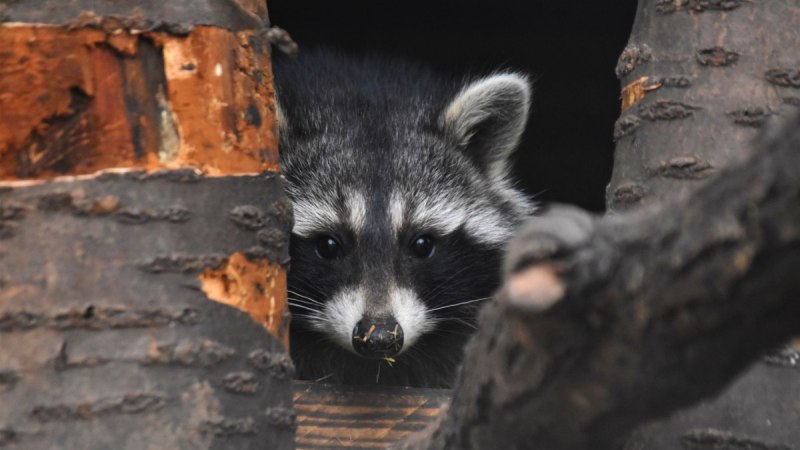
402, 205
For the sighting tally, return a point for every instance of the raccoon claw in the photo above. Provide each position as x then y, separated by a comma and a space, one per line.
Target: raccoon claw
532, 284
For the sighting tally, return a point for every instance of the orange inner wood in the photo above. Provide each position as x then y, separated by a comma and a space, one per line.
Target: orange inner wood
254, 286
78, 101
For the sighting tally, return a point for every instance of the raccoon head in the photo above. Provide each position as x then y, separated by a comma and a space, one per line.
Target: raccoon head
402, 204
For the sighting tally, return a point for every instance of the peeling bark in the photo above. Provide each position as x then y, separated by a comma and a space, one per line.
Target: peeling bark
88, 91
255, 286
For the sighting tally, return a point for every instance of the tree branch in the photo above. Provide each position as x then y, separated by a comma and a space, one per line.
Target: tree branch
652, 311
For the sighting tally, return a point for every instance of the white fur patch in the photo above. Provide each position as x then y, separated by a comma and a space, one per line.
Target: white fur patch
442, 214
445, 215
410, 313
357, 211
396, 210
313, 216
342, 312
487, 227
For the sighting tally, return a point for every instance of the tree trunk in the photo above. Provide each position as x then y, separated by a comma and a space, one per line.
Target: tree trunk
609, 323
135, 230
700, 77
693, 108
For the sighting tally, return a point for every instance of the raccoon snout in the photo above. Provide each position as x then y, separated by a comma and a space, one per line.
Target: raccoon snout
377, 338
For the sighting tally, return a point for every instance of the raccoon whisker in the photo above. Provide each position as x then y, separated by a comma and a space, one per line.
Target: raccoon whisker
411, 355
459, 320
308, 284
302, 316
451, 290
471, 326
323, 378
305, 317
311, 313
297, 301
443, 284
419, 355
443, 331
305, 282
459, 304
297, 305
310, 317
327, 340
304, 297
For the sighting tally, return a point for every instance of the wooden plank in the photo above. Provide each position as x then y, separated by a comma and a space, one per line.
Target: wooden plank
333, 416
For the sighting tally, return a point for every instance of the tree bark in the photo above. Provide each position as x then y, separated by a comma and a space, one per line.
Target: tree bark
142, 256
694, 105
700, 77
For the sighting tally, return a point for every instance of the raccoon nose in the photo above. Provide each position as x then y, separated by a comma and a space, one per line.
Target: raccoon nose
377, 338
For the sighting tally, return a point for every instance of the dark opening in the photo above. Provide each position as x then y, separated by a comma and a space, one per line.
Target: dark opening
569, 46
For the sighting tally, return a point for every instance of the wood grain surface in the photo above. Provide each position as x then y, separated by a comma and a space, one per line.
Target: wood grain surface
332, 416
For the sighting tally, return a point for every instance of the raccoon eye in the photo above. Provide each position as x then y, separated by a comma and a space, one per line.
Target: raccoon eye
328, 247
423, 246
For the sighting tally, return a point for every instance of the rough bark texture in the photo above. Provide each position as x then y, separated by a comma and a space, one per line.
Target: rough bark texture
700, 77
650, 312
133, 228
108, 340
694, 104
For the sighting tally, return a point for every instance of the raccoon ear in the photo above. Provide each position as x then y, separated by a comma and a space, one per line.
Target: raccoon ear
487, 119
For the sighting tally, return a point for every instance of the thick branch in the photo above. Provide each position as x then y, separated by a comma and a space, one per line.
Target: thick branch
659, 309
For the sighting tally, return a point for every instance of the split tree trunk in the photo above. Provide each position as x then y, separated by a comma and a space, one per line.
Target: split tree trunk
142, 252
610, 323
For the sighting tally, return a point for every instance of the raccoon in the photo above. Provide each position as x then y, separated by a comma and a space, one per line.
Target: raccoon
403, 202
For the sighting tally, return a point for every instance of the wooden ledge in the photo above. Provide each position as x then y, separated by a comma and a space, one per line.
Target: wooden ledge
333, 416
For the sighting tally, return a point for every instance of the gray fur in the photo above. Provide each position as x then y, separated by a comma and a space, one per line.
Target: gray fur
376, 152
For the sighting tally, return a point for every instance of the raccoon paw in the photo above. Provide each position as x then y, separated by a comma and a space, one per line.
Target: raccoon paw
561, 229
532, 284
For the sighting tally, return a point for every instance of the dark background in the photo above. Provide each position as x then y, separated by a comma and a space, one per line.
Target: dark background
570, 47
